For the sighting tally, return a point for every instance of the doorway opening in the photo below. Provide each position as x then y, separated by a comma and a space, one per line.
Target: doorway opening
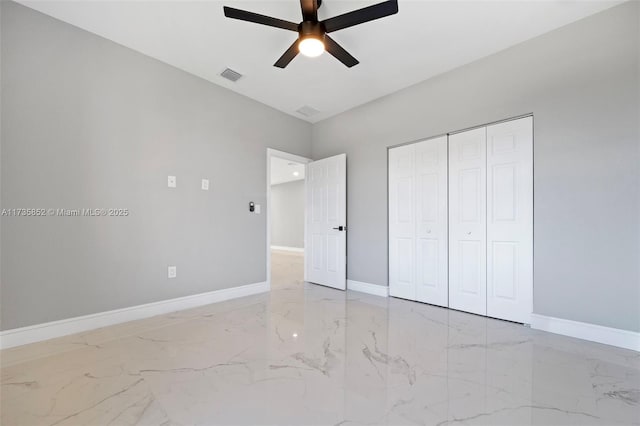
285, 219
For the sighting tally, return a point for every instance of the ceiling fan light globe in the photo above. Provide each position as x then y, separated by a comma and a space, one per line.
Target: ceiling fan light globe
311, 47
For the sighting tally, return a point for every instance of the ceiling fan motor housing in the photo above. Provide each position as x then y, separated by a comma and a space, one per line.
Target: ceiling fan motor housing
311, 29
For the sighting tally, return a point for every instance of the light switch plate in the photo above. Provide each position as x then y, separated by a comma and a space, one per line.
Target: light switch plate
257, 210
171, 181
172, 272
205, 184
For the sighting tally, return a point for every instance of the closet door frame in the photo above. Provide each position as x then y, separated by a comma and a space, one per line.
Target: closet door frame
529, 273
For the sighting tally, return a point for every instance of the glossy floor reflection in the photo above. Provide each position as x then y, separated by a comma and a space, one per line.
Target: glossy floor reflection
309, 355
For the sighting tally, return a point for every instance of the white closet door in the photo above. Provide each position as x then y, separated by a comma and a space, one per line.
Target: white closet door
510, 220
431, 222
402, 222
467, 221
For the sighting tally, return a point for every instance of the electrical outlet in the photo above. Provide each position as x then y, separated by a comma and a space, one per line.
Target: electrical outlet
257, 211
171, 181
172, 272
205, 184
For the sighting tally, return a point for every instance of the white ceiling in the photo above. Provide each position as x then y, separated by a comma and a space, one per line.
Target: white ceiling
285, 171
424, 39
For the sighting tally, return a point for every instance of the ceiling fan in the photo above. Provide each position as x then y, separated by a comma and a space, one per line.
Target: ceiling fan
312, 34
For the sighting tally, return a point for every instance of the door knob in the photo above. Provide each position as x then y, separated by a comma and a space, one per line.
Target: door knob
341, 228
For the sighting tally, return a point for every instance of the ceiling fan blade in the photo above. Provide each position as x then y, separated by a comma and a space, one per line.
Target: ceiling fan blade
309, 10
288, 55
361, 16
336, 50
244, 15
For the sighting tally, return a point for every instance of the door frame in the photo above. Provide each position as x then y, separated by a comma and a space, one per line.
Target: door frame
291, 157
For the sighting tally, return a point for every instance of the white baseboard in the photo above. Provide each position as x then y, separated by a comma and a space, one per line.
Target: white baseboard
50, 330
582, 330
376, 290
285, 248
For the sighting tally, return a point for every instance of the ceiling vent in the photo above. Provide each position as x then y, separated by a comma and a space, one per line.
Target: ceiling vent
231, 75
307, 111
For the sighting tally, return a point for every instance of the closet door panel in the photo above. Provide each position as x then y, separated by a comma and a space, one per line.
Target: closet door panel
402, 222
510, 220
431, 221
467, 221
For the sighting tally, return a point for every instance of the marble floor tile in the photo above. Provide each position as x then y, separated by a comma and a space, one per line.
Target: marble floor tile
304, 354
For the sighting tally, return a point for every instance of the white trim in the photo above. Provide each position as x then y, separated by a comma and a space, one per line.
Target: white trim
50, 330
285, 248
376, 290
582, 330
287, 156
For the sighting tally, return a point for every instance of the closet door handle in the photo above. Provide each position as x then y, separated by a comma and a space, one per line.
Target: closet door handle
341, 228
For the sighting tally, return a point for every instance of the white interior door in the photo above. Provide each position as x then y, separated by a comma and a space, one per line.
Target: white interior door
326, 220
510, 220
432, 282
467, 221
402, 222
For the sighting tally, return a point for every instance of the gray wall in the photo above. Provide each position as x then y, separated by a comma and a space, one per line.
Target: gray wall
581, 82
287, 214
89, 123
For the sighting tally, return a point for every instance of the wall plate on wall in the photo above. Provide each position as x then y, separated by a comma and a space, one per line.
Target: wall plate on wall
171, 181
172, 271
205, 184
